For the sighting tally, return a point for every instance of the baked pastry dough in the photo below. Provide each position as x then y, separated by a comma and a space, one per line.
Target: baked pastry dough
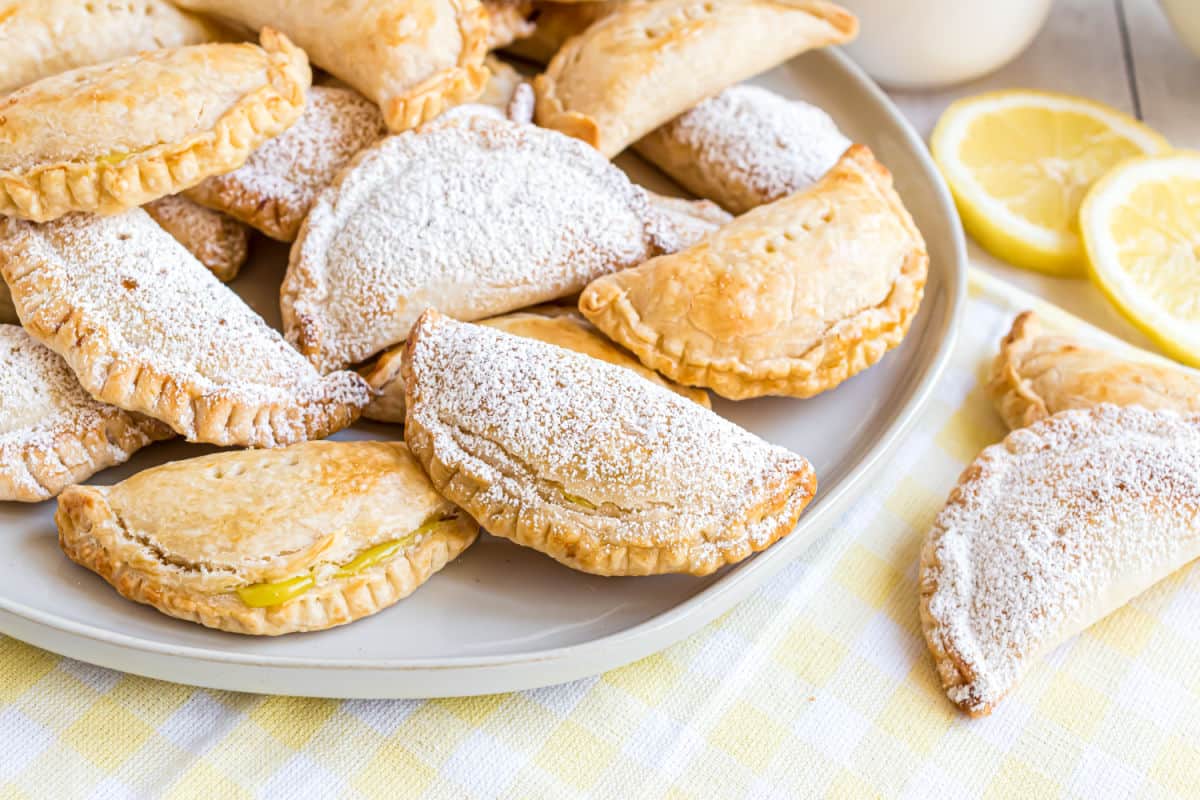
791, 298
586, 461
506, 96
219, 242
508, 20
1036, 375
1049, 531
268, 542
147, 328
117, 135
40, 38
746, 147
557, 325
473, 216
554, 23
647, 62
415, 58
277, 185
52, 433
677, 224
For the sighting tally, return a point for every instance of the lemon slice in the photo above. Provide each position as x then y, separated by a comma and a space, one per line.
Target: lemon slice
1019, 162
1141, 232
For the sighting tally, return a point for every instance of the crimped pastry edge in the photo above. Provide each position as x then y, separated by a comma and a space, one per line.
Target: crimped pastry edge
1014, 399
90, 532
49, 191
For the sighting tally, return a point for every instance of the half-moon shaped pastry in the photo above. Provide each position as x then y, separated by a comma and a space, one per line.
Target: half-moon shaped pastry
113, 136
746, 147
415, 58
52, 432
588, 462
268, 542
1049, 531
147, 328
791, 298
277, 185
647, 62
557, 325
1036, 375
217, 240
473, 216
40, 38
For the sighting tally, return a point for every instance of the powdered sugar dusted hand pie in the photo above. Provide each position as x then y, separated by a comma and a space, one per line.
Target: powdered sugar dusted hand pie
586, 461
147, 328
475, 217
112, 136
677, 224
268, 542
277, 185
218, 241
1049, 531
791, 298
1037, 374
52, 432
746, 147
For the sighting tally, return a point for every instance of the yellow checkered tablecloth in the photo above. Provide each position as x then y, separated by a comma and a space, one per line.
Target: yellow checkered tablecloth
818, 685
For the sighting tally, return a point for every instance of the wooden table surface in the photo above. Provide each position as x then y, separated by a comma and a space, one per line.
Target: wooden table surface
1121, 52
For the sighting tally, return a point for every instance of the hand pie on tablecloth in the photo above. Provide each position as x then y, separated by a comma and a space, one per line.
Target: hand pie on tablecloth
557, 325
1049, 531
415, 58
277, 185
554, 23
109, 137
218, 241
52, 432
1036, 375
677, 224
147, 328
648, 62
588, 462
475, 217
268, 542
508, 20
791, 298
746, 147
40, 38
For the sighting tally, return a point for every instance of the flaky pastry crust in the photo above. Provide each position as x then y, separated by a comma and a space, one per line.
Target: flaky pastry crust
218, 241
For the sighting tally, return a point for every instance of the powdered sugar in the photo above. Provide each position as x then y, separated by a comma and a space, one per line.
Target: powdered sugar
219, 242
677, 224
1058, 525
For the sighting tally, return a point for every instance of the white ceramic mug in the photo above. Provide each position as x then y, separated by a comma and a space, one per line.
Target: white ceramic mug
920, 44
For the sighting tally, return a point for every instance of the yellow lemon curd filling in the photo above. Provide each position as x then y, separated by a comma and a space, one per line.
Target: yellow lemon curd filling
577, 500
263, 595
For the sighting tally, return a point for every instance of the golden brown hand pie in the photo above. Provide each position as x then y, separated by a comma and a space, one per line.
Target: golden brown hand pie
586, 461
268, 542
648, 62
746, 147
52, 433
1036, 375
218, 241
677, 224
791, 298
112, 136
415, 58
554, 23
508, 20
40, 38
473, 216
147, 328
1053, 529
277, 185
558, 325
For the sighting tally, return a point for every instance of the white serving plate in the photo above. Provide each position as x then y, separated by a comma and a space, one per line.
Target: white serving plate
501, 617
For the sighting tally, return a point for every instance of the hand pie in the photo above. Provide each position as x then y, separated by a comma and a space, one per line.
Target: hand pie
647, 62
52, 433
1049, 531
554, 23
40, 38
1036, 375
109, 137
586, 461
791, 298
557, 325
508, 20
415, 58
219, 242
268, 542
475, 217
277, 185
746, 147
147, 328
677, 224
